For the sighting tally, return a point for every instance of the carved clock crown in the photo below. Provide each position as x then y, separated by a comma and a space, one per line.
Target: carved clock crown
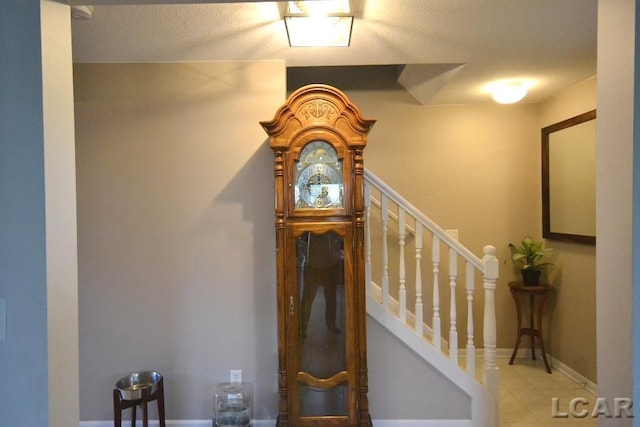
316, 106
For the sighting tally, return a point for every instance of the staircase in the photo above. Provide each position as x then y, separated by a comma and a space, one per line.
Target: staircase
414, 307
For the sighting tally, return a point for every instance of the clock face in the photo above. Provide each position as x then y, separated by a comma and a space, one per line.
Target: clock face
318, 177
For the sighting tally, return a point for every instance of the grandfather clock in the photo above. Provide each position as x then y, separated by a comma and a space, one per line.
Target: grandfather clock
318, 137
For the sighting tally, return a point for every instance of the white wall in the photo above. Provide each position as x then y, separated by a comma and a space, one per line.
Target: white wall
616, 50
402, 385
61, 226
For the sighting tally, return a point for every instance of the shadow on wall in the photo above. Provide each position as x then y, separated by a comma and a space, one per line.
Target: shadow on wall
252, 188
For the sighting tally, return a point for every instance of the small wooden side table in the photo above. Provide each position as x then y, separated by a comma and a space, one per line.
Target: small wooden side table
519, 289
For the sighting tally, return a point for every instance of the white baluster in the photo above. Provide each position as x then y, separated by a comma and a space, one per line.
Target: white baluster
435, 260
453, 312
384, 207
419, 309
490, 263
471, 349
402, 290
367, 235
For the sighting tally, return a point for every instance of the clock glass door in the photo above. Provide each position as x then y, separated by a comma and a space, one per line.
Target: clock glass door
321, 379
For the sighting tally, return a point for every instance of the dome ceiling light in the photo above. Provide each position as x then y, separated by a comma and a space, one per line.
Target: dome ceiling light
508, 92
81, 12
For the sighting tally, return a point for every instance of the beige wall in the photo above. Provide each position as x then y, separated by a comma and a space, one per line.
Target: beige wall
573, 308
176, 242
471, 168
477, 168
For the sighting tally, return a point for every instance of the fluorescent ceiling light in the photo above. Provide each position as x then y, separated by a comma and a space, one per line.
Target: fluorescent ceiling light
508, 92
318, 23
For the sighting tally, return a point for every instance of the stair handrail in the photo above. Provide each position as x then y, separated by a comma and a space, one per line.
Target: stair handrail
424, 220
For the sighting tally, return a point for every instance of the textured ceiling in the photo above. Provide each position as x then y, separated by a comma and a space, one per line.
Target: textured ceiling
552, 43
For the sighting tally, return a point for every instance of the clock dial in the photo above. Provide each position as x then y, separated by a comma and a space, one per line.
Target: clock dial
318, 177
319, 187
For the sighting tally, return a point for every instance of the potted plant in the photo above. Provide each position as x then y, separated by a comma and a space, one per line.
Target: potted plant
529, 258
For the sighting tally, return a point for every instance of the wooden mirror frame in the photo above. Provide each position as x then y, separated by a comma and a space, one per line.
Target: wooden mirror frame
547, 185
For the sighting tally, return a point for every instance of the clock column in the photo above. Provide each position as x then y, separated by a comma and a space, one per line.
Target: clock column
279, 192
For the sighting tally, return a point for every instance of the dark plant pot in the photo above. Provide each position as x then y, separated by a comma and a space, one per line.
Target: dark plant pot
531, 277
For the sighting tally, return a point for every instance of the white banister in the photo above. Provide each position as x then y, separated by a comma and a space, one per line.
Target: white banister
402, 291
367, 237
453, 312
489, 333
419, 309
435, 261
413, 223
385, 250
471, 349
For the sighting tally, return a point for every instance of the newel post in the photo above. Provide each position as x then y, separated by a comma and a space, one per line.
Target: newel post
490, 263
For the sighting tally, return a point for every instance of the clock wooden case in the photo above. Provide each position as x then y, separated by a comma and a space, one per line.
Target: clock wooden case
318, 137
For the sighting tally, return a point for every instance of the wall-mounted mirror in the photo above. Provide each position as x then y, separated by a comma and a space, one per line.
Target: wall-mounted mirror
569, 179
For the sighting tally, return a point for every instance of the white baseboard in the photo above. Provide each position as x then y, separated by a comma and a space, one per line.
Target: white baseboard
272, 423
501, 352
181, 423
422, 423
587, 384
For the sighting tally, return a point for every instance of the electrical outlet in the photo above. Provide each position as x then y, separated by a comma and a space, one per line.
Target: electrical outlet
235, 376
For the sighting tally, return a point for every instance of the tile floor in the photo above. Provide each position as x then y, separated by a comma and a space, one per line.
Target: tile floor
526, 392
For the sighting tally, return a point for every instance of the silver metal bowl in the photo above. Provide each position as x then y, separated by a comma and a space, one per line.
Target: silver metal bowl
131, 386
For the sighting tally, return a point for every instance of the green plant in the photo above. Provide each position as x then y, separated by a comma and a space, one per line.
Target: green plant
530, 254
